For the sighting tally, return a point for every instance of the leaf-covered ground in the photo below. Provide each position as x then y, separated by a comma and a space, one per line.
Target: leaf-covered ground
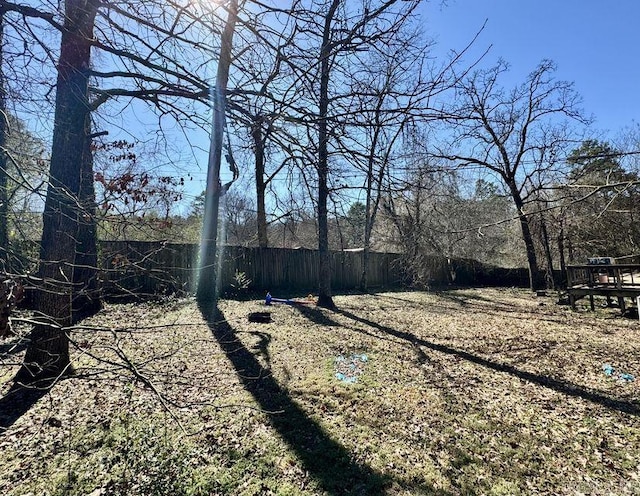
461, 392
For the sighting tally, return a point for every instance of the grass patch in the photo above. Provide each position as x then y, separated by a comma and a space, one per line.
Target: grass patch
463, 392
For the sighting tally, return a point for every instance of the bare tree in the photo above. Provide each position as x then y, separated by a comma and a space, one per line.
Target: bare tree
333, 36
48, 352
263, 101
326, 49
69, 220
517, 136
393, 92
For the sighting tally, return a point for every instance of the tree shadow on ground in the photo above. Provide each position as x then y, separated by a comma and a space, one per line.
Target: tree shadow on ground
474, 303
18, 401
262, 346
462, 298
326, 460
8, 349
564, 387
317, 316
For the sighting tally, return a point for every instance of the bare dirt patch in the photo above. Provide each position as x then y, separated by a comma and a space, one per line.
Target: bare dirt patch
462, 392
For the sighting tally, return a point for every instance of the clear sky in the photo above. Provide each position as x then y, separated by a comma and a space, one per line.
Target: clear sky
595, 44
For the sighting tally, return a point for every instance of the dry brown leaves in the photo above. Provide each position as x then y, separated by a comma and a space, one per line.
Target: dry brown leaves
478, 391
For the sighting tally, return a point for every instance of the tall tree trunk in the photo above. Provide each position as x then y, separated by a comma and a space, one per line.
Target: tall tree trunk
563, 262
87, 297
208, 272
368, 227
258, 144
536, 281
4, 176
47, 355
324, 286
551, 278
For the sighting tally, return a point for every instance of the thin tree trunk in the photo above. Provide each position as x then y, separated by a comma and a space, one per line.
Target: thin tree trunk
324, 287
368, 227
563, 262
47, 355
4, 183
372, 204
208, 273
547, 252
258, 143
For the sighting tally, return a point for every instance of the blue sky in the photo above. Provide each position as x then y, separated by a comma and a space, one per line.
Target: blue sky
594, 43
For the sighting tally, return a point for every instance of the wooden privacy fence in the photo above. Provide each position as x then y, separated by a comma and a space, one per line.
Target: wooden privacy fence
156, 268
142, 267
298, 269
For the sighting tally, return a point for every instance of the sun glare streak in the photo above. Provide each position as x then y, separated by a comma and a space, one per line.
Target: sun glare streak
208, 269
